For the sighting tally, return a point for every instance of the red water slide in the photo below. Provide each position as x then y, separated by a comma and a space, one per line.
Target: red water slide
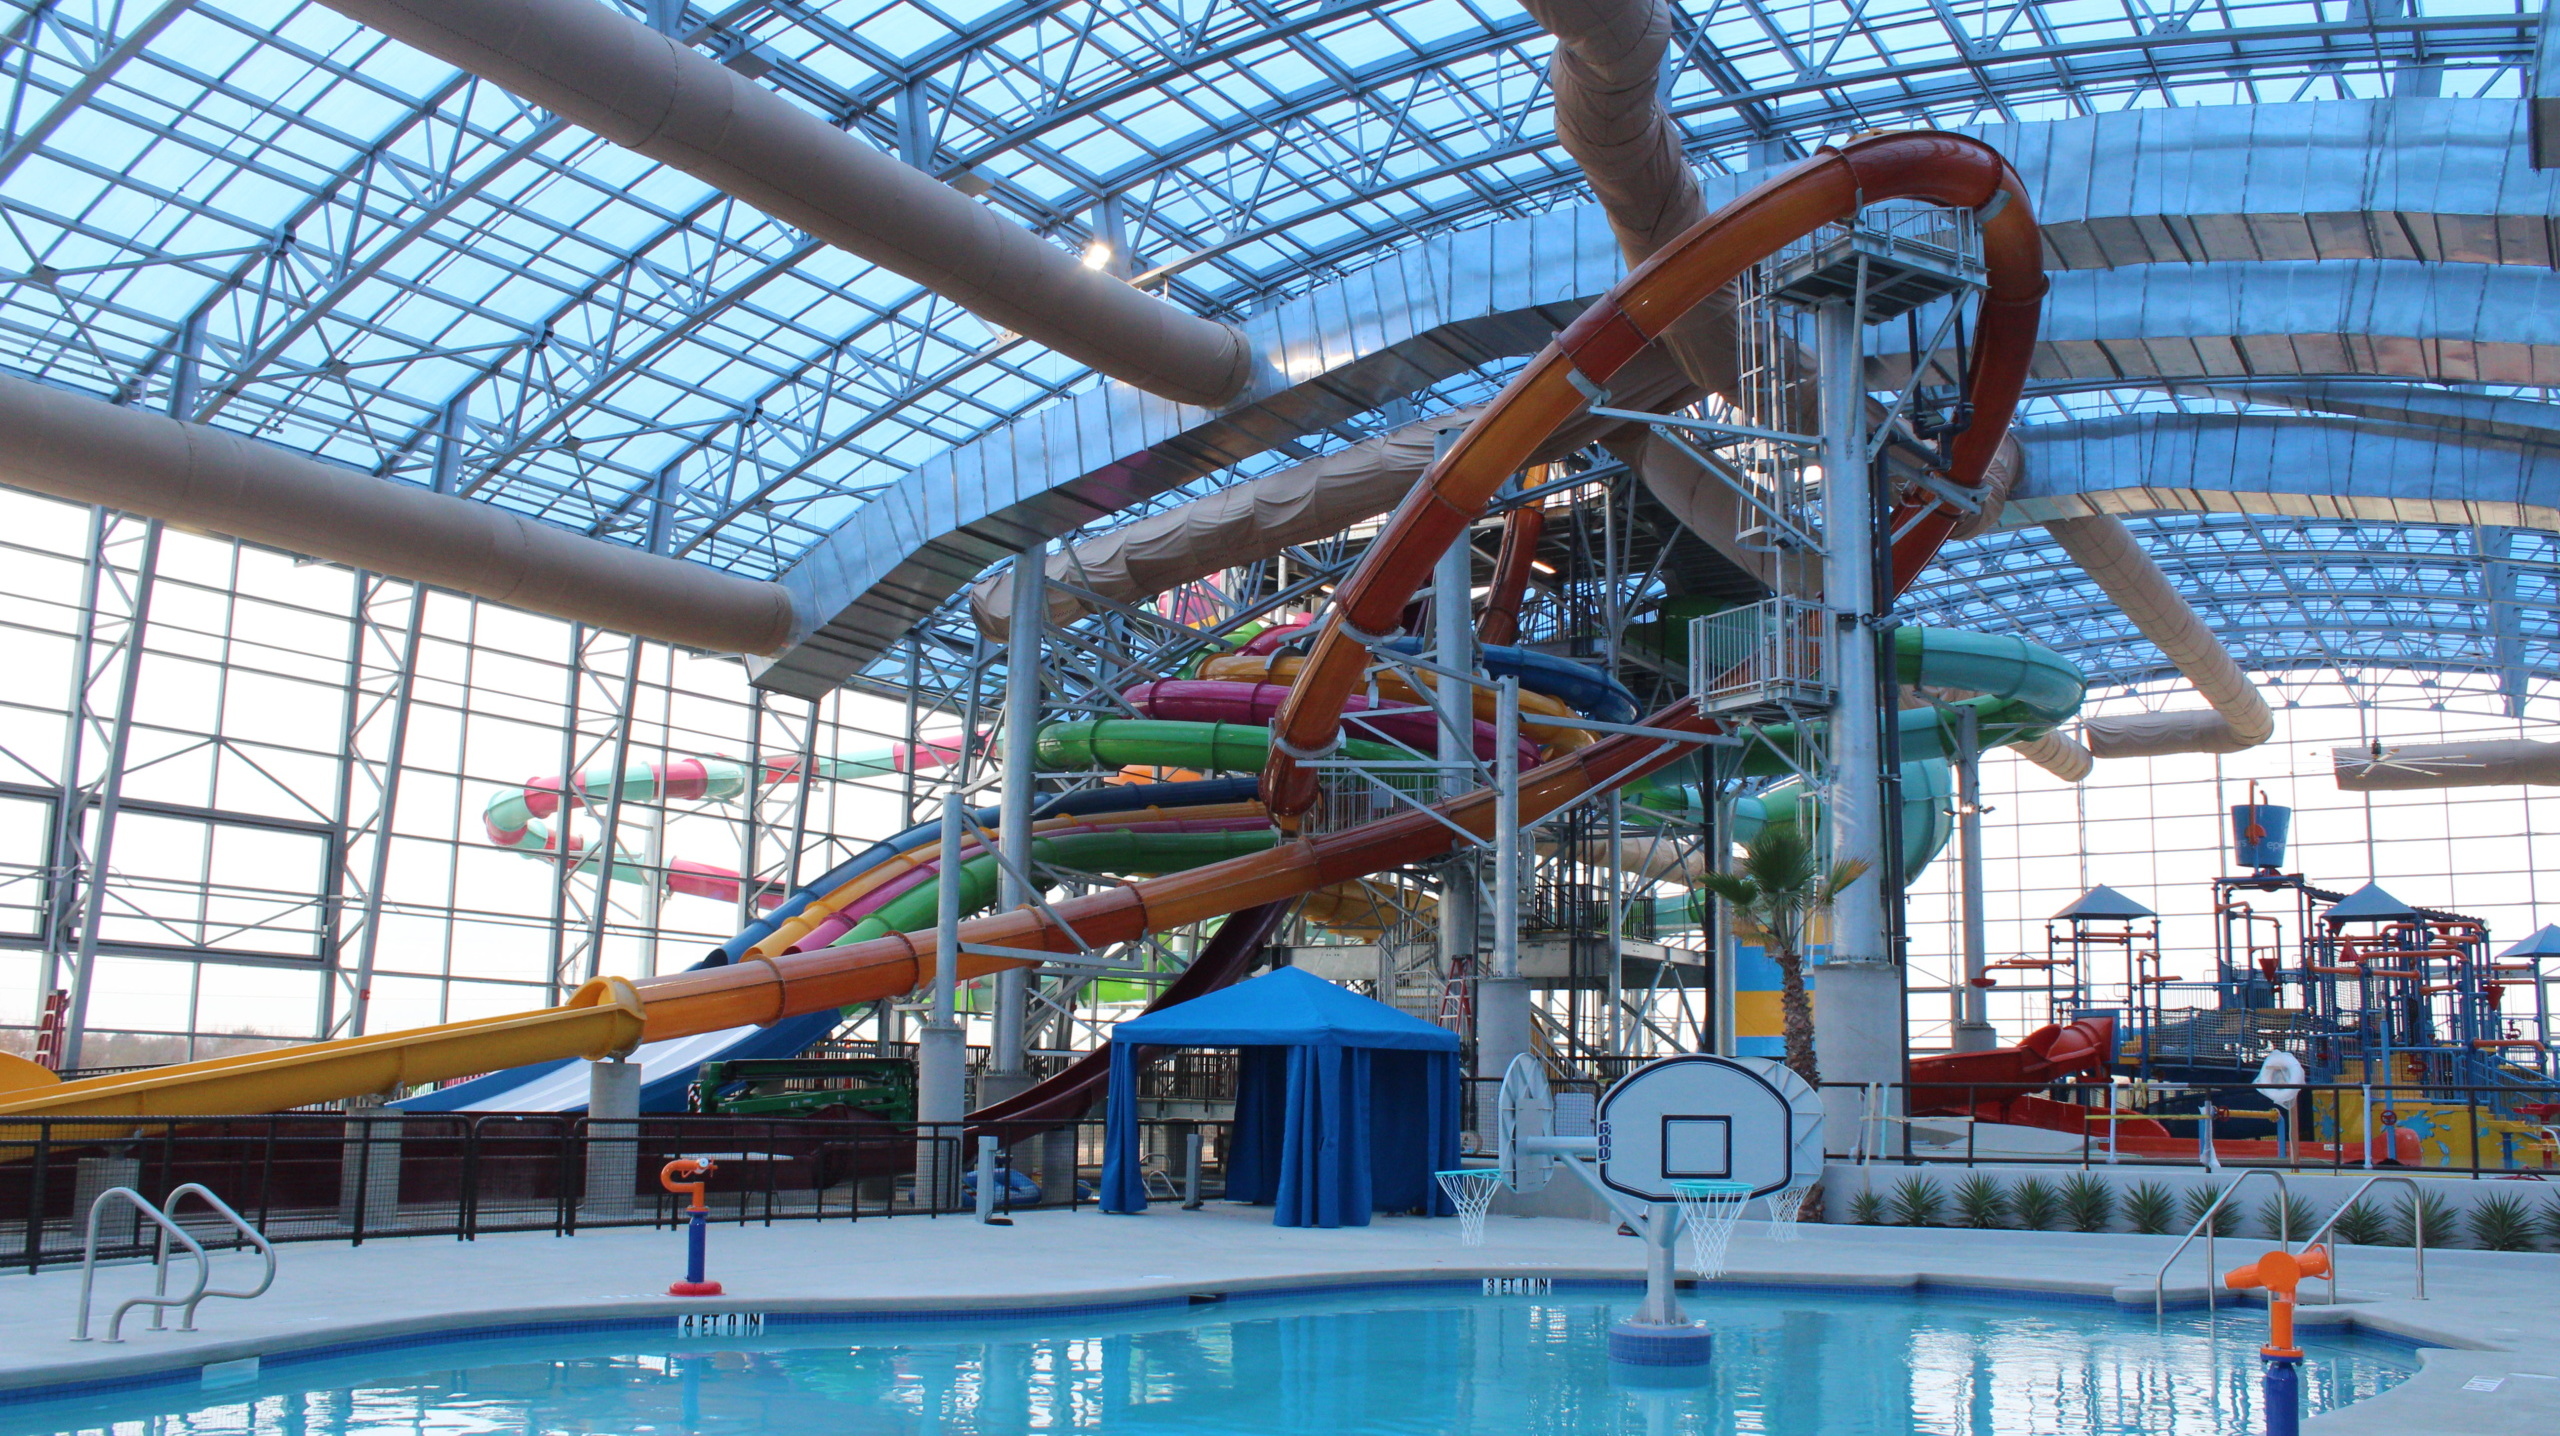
1945, 169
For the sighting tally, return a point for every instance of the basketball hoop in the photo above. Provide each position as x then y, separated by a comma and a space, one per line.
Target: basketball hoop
1783, 1207
1471, 1191
1709, 1210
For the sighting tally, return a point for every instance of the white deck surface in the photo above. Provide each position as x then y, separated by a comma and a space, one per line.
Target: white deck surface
2502, 1306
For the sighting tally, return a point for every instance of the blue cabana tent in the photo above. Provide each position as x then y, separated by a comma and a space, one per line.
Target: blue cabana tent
1344, 1106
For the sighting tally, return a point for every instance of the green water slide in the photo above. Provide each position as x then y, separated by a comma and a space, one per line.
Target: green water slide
1116, 852
1171, 743
2022, 691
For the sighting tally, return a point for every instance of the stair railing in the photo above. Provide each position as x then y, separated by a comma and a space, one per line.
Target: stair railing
168, 1230
2204, 1226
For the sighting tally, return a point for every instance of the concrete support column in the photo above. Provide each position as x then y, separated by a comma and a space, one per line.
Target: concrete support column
1854, 802
1859, 1032
942, 1051
1454, 645
1006, 1072
1502, 996
1973, 1024
613, 1131
1502, 1033
1858, 1036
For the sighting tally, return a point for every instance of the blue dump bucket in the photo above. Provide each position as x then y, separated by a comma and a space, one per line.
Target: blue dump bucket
2264, 847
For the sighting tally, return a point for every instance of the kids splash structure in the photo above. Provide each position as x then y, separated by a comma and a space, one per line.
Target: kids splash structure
1377, 761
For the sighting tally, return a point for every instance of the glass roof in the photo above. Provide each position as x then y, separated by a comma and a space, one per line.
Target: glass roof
271, 219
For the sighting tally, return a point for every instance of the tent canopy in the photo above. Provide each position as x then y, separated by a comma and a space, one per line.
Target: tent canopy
1288, 1007
2369, 904
1344, 1105
2104, 904
2545, 943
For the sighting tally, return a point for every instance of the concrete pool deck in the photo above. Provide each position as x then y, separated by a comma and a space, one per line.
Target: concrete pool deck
2496, 1309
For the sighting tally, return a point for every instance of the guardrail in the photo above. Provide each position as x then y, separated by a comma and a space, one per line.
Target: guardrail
356, 1177
2488, 1134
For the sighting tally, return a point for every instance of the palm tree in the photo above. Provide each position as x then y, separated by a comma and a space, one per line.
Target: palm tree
1779, 889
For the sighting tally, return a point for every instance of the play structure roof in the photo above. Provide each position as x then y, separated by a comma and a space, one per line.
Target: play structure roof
2369, 904
1285, 1008
2102, 903
2545, 943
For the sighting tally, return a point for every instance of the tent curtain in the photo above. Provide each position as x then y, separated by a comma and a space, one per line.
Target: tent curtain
1123, 1189
1325, 1161
1253, 1151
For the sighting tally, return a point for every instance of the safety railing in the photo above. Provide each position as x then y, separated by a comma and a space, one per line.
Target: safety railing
2417, 1229
162, 1217
362, 1176
2483, 1131
2208, 1224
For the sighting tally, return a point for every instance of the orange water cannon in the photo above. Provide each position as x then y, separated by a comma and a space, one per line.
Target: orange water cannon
687, 1177
2279, 1273
674, 1177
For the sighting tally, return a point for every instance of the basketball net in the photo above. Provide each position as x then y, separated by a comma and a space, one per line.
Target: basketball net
1783, 1207
1708, 1212
1471, 1191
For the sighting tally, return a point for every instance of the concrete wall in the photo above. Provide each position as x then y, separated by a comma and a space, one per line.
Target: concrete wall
1842, 1182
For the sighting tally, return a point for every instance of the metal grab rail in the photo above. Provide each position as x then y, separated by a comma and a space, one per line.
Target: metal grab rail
2204, 1224
160, 1300
2417, 1222
258, 1239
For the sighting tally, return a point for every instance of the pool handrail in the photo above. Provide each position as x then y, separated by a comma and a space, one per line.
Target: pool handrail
257, 1238
2204, 1225
160, 1301
2417, 1221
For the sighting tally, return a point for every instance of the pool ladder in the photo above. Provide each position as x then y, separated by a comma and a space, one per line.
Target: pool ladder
160, 1300
2204, 1227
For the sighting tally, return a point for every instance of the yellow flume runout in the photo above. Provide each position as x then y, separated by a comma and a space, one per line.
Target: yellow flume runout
603, 1019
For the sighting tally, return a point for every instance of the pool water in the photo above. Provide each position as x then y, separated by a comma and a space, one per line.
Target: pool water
1787, 1364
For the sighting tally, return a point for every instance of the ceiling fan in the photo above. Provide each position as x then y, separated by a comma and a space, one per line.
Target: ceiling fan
2376, 755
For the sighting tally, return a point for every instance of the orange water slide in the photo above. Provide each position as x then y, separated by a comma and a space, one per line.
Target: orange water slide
1945, 169
611, 1016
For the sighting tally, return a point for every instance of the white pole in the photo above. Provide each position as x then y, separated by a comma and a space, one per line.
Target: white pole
1022, 698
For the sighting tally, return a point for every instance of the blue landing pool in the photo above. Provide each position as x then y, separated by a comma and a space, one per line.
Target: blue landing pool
1429, 1362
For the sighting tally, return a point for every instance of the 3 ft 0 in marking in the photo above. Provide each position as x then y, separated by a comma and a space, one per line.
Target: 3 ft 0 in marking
1519, 1286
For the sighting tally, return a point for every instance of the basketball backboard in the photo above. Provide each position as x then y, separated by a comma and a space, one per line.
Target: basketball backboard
1697, 1117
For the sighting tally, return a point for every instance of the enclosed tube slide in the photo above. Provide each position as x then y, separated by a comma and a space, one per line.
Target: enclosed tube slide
514, 817
613, 1016
1941, 168
1499, 625
2115, 560
219, 482
657, 96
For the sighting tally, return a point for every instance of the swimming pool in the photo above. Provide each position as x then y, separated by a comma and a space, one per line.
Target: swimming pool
1789, 1363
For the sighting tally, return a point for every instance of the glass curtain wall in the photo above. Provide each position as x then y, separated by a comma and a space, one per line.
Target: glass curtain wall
247, 896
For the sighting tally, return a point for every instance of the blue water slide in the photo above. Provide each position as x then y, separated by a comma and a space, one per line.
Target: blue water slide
1579, 686
668, 1068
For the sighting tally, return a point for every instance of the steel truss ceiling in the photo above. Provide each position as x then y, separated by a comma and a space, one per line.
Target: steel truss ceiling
268, 218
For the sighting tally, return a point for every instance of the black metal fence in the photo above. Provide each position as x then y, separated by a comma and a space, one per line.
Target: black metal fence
2484, 1131
358, 1176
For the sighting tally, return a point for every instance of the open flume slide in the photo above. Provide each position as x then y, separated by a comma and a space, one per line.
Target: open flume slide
613, 1016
